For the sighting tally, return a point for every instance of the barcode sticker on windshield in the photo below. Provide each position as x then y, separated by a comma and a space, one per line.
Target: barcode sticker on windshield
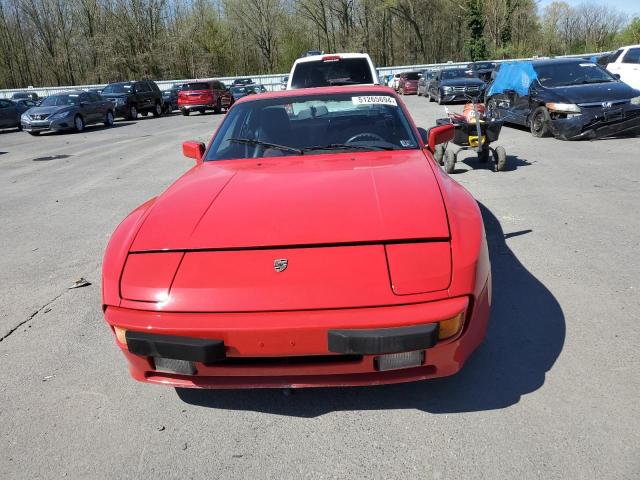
374, 100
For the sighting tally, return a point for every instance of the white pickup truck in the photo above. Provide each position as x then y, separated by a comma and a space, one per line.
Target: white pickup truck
626, 63
332, 70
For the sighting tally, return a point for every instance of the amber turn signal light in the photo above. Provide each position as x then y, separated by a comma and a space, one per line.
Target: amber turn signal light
451, 326
121, 334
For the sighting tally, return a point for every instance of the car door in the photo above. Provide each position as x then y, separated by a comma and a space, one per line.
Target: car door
99, 106
148, 95
434, 84
87, 109
614, 62
629, 67
9, 115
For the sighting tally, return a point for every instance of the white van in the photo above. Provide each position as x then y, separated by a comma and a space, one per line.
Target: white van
626, 63
332, 70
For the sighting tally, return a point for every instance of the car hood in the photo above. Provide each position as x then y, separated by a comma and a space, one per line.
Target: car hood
595, 92
460, 82
50, 110
318, 199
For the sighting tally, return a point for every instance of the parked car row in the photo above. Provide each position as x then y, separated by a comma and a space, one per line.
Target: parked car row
74, 110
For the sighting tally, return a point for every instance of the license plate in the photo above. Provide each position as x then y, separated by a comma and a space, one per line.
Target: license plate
611, 115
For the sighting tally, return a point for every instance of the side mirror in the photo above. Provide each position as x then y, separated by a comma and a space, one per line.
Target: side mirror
616, 76
438, 135
193, 150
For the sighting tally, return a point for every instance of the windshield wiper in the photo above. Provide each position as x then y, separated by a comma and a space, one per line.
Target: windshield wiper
346, 146
587, 82
251, 141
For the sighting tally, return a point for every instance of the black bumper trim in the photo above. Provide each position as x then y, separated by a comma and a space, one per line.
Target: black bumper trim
178, 348
383, 340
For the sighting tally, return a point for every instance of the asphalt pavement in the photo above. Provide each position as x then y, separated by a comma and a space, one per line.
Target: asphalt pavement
552, 393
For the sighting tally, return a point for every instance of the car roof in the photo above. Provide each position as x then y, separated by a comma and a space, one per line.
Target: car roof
69, 92
303, 92
557, 61
315, 58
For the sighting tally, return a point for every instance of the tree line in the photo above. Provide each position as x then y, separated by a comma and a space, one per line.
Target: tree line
71, 42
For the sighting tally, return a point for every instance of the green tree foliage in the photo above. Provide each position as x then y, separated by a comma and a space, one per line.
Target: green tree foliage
631, 34
475, 47
64, 42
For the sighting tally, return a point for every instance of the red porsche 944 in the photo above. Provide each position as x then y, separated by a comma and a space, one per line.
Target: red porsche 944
314, 243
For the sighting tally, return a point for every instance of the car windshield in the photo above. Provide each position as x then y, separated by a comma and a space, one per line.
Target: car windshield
482, 66
313, 124
196, 86
238, 90
412, 76
565, 74
61, 100
455, 73
323, 73
117, 88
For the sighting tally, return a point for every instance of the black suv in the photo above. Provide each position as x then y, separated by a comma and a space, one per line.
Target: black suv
132, 98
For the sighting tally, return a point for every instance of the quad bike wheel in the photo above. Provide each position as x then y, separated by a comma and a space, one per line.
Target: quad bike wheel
449, 161
500, 157
438, 154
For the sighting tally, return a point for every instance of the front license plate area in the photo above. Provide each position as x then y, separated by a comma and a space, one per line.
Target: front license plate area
613, 115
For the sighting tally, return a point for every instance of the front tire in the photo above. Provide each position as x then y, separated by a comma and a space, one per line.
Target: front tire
157, 110
438, 155
78, 124
108, 119
449, 161
500, 158
133, 113
540, 123
218, 107
440, 101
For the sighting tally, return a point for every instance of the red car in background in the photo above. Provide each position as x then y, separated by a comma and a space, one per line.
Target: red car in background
203, 96
408, 83
315, 242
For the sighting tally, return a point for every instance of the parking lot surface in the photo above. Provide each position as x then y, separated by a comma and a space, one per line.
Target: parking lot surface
552, 393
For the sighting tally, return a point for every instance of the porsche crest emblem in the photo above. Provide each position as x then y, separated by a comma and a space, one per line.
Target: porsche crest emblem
280, 264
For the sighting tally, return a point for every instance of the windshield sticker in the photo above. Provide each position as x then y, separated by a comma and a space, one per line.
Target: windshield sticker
374, 100
406, 143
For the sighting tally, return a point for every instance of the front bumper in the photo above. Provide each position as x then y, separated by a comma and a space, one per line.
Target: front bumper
598, 123
458, 96
56, 125
302, 348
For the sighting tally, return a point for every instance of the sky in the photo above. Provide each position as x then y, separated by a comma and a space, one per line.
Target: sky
630, 7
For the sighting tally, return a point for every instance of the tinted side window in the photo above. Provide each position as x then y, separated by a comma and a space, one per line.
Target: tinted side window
84, 97
94, 97
632, 56
4, 104
142, 87
615, 56
153, 86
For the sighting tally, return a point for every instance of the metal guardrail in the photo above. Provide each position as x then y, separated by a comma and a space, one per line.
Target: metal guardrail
271, 82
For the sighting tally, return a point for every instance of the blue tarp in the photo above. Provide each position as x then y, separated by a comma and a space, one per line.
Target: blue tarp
516, 76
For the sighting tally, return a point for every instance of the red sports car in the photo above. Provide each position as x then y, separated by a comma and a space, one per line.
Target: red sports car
315, 243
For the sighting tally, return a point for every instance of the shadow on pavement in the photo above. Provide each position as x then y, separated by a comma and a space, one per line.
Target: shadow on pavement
471, 160
525, 337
